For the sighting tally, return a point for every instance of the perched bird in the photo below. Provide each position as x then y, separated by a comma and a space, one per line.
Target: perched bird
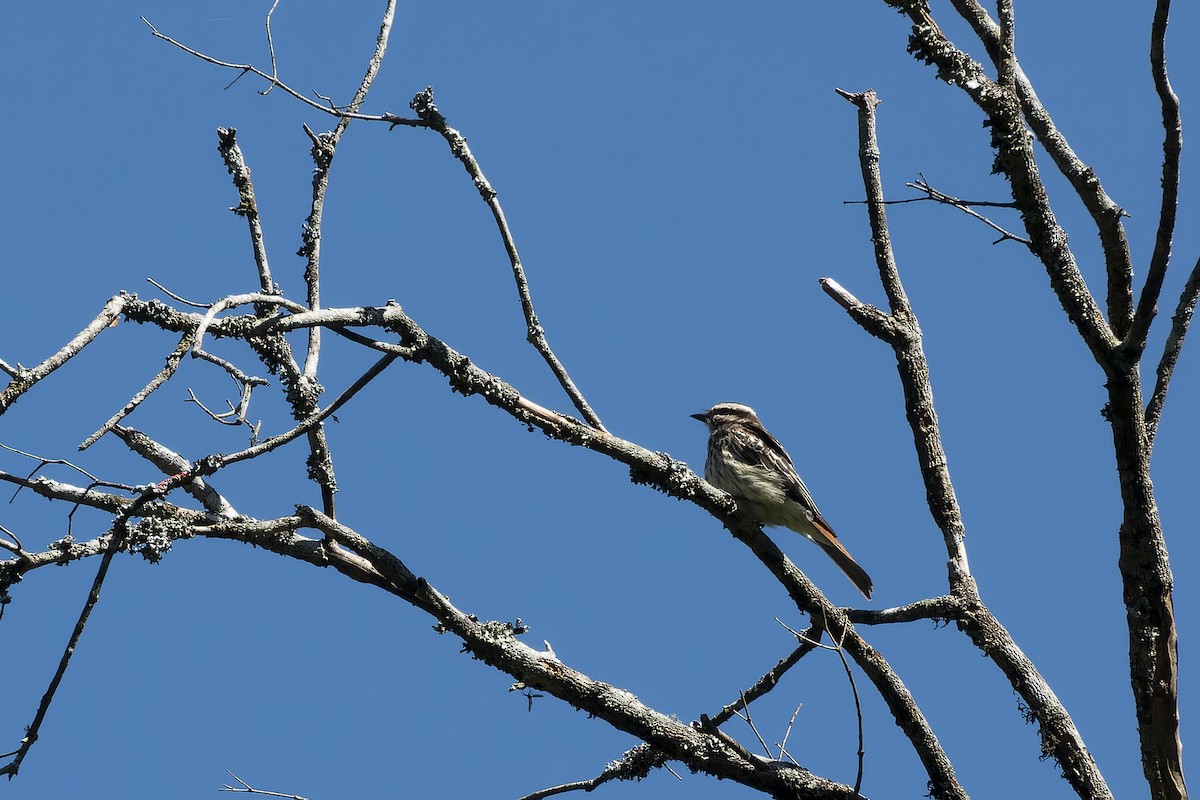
746, 461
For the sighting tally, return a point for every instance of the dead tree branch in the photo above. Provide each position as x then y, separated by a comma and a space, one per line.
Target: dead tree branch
901, 330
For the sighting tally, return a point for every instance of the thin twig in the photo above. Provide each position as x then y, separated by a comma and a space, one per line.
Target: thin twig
374, 344
236, 415
175, 297
836, 647
962, 205
14, 546
274, 65
744, 714
246, 788
563, 788
788, 732
45, 461
214, 463
390, 119
857, 711
771, 678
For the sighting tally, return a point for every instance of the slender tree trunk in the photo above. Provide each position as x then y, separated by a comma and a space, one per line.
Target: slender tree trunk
1147, 581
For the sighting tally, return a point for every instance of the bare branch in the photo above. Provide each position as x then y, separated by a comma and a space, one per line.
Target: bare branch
13, 546
213, 463
574, 786
274, 68
246, 788
323, 148
44, 461
175, 296
391, 119
933, 194
637, 762
118, 537
495, 644
1059, 735
771, 678
1006, 62
869, 160
744, 715
906, 341
158, 380
788, 732
837, 648
1147, 307
302, 388
24, 378
423, 104
938, 609
235, 162
171, 463
873, 321
1171, 349
1017, 160
1106, 214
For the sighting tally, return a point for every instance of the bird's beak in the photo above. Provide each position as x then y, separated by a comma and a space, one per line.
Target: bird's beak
703, 417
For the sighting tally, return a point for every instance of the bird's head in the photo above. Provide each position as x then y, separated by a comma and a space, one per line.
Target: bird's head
726, 414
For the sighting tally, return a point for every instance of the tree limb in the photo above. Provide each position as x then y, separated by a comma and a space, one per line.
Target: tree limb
1060, 737
23, 378
1106, 214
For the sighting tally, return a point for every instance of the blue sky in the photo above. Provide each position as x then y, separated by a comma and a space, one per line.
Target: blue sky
675, 178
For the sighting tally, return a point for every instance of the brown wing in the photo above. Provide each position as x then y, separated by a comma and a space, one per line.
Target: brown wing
756, 445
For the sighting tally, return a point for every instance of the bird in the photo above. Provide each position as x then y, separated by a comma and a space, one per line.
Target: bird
747, 462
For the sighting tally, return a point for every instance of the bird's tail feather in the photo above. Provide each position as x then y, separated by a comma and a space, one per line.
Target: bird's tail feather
857, 575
